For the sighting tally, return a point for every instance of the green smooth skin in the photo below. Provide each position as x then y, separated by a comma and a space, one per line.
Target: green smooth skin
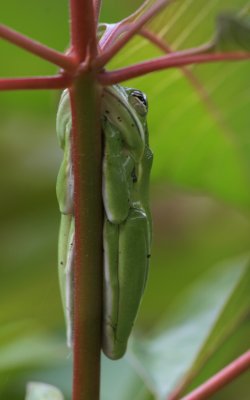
117, 170
121, 114
127, 229
127, 243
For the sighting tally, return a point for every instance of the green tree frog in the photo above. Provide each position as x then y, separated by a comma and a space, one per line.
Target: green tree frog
127, 231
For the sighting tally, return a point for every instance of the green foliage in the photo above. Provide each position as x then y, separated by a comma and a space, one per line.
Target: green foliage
233, 33
199, 131
197, 119
192, 329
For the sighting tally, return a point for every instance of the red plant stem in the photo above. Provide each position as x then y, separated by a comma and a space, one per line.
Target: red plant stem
87, 164
153, 38
113, 32
161, 44
222, 378
165, 62
97, 8
83, 29
106, 56
39, 49
37, 82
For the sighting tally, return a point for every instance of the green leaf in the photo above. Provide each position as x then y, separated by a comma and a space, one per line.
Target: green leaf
198, 116
42, 348
123, 379
185, 340
200, 137
42, 391
233, 33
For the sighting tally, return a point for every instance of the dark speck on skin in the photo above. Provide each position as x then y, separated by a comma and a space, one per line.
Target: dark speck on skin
119, 119
149, 255
107, 111
61, 263
132, 125
133, 176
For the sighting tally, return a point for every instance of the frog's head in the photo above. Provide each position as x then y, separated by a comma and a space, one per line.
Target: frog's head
126, 109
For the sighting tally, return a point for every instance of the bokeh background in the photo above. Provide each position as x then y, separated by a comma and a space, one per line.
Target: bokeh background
200, 189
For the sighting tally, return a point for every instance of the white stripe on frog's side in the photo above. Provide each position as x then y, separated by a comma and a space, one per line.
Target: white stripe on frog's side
69, 288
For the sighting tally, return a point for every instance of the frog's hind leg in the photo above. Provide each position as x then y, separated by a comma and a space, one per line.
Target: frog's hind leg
133, 270
126, 266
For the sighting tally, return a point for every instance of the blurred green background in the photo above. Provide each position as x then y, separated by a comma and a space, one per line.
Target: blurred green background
200, 187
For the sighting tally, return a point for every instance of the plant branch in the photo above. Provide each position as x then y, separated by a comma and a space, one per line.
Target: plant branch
83, 29
165, 62
111, 34
37, 82
106, 56
222, 378
87, 165
194, 372
39, 49
115, 30
161, 44
202, 92
97, 8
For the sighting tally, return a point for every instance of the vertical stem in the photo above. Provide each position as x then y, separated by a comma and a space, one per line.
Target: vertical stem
97, 8
87, 162
83, 28
87, 158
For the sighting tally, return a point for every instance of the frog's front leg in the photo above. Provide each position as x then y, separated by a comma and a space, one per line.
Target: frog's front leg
126, 260
117, 175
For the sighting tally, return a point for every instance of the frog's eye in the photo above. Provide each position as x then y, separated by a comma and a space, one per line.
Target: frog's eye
139, 101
